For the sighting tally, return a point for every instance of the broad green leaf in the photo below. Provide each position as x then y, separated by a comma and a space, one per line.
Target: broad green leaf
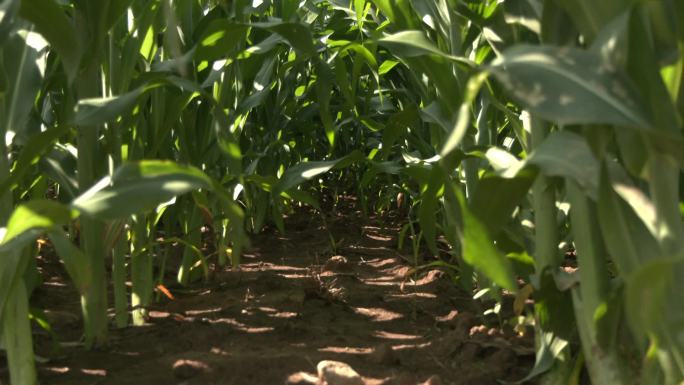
479, 250
12, 267
34, 216
25, 224
220, 39
20, 80
408, 44
8, 16
139, 186
644, 68
60, 165
397, 127
565, 154
302, 196
458, 132
323, 91
359, 7
628, 238
51, 22
100, 110
647, 295
75, 261
570, 86
429, 206
298, 35
387, 66
397, 11
114, 11
264, 46
496, 197
236, 219
524, 12
591, 16
304, 171
375, 168
550, 348
100, 17
556, 25
31, 152
363, 53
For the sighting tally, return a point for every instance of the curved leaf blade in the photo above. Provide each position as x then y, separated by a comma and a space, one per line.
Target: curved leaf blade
570, 86
139, 186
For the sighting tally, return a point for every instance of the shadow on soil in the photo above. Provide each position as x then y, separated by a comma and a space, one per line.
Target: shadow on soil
290, 305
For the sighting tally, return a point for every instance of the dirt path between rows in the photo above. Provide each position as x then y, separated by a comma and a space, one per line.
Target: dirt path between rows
291, 305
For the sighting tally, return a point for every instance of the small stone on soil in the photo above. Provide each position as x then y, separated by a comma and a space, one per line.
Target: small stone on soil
186, 369
337, 373
434, 380
337, 264
302, 378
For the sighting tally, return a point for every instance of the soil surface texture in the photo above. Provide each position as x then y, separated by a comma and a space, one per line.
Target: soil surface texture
293, 303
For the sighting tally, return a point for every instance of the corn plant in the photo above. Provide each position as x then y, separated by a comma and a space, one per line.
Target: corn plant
519, 133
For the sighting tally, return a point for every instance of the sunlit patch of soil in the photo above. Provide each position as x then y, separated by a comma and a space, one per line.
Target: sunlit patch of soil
286, 309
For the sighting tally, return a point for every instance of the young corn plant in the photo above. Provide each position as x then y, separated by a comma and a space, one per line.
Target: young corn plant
525, 135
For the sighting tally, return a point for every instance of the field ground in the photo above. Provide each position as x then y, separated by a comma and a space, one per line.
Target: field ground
289, 306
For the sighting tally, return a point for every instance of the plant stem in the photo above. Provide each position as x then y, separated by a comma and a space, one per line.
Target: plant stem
16, 329
544, 204
15, 326
119, 282
141, 271
606, 366
94, 299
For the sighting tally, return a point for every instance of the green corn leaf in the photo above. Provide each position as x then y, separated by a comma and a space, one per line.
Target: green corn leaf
304, 171
60, 165
100, 110
556, 25
387, 66
95, 111
20, 81
570, 86
51, 22
524, 12
298, 35
497, 197
26, 223
8, 16
409, 44
75, 261
302, 196
646, 294
479, 250
36, 147
323, 91
114, 11
550, 348
565, 154
32, 218
459, 130
139, 186
429, 206
220, 39
397, 11
628, 238
590, 17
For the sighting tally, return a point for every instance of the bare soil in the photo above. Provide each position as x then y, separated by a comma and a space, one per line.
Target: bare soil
292, 303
